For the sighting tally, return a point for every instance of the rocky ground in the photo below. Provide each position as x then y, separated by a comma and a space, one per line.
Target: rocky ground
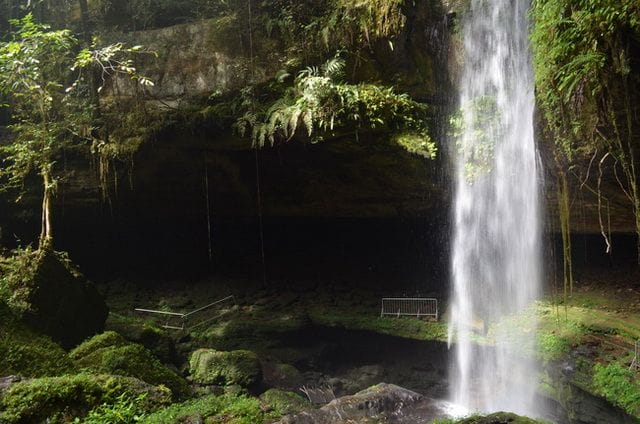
303, 352
331, 336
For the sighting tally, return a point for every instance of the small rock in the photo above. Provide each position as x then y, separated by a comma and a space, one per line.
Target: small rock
6, 382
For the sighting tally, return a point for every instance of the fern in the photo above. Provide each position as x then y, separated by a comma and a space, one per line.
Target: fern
319, 103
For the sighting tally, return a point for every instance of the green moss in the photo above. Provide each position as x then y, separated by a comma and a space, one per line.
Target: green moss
208, 366
552, 346
106, 339
212, 409
156, 339
48, 293
110, 353
283, 402
498, 418
417, 143
403, 326
59, 399
619, 385
127, 409
26, 353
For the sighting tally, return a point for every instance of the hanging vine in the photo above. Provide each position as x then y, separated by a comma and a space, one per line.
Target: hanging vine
588, 89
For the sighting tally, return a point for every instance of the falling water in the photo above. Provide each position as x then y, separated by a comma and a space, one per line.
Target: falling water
496, 258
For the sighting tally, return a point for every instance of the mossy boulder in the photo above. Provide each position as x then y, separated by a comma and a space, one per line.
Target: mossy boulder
208, 366
282, 376
110, 353
283, 402
150, 336
51, 296
26, 353
498, 418
95, 343
60, 399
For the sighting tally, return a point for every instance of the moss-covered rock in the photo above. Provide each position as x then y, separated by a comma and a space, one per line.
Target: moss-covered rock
110, 353
498, 418
284, 403
619, 385
51, 296
282, 376
100, 341
150, 336
208, 366
60, 399
26, 353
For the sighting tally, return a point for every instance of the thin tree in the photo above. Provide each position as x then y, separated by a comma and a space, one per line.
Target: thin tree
43, 74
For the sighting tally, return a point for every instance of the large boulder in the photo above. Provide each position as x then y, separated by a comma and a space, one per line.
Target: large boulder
213, 367
26, 353
282, 376
379, 403
110, 353
149, 335
284, 403
52, 297
499, 418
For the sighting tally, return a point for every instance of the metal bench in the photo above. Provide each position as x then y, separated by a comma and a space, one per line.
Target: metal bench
410, 306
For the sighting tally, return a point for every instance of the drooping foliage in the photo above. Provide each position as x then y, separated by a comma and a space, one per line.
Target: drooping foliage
582, 59
47, 79
588, 89
319, 105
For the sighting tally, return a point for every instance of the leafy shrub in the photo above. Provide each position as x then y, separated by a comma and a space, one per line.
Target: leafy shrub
126, 410
228, 408
618, 385
59, 399
320, 104
552, 346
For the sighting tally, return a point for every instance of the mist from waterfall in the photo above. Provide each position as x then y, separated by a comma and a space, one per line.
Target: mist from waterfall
496, 248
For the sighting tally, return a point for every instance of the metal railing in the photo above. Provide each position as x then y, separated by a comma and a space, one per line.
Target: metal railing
183, 321
635, 364
410, 306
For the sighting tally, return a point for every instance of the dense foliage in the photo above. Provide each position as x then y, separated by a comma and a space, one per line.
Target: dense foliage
49, 83
60, 399
321, 105
619, 385
588, 89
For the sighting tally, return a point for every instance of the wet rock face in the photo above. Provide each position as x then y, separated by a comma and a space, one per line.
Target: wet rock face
383, 402
573, 404
192, 60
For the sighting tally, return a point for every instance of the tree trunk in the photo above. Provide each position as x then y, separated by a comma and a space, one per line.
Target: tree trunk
46, 233
565, 228
84, 20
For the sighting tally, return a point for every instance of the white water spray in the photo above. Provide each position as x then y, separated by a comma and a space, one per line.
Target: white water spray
496, 248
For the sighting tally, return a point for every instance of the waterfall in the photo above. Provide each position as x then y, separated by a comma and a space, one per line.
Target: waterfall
496, 247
